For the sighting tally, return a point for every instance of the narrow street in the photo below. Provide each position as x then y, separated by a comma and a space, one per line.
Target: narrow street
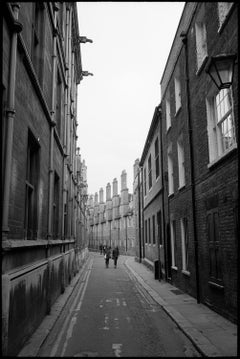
110, 314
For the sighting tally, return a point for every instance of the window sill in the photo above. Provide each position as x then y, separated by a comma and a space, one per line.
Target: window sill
181, 187
201, 67
186, 272
216, 285
171, 195
174, 268
222, 157
178, 110
168, 129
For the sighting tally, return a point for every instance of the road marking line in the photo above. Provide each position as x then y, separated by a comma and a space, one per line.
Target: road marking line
55, 347
117, 349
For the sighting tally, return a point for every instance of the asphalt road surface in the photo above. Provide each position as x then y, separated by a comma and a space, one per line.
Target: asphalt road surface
110, 314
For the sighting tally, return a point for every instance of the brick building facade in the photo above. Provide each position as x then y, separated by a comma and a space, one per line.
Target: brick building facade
149, 185
199, 135
43, 242
111, 222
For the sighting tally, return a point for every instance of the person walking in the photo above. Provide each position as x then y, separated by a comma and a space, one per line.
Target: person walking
107, 256
115, 255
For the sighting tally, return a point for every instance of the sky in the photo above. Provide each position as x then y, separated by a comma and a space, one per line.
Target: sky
131, 44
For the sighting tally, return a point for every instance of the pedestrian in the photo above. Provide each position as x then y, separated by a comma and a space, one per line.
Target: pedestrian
115, 255
107, 256
101, 248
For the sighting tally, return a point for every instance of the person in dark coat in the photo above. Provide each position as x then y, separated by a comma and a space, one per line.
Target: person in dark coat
115, 255
107, 256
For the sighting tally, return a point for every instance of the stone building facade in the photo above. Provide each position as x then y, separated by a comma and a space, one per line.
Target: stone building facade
111, 222
199, 136
43, 243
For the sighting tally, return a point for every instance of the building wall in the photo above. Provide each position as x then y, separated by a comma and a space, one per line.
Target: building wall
214, 183
151, 200
35, 271
116, 226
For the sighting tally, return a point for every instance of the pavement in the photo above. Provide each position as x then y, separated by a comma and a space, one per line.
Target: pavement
210, 333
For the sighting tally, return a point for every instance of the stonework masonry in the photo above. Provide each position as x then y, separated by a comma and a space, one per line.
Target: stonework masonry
111, 222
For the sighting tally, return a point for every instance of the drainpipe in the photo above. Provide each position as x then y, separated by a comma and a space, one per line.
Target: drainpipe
10, 117
163, 192
53, 123
183, 35
139, 218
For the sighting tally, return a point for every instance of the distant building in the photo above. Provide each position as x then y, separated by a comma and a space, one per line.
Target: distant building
43, 244
111, 222
199, 136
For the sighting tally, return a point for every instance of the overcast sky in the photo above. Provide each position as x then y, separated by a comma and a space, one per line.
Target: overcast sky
131, 44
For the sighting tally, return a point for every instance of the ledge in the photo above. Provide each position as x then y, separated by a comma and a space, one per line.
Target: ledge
12, 244
221, 158
186, 272
216, 285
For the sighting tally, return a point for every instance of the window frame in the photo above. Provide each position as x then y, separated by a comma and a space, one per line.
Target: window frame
157, 157
31, 188
153, 230
173, 243
181, 162
170, 171
168, 111
149, 172
215, 147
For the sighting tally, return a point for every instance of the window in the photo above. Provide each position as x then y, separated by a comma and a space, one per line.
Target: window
185, 243
58, 103
145, 181
221, 127
153, 229
157, 157
149, 172
181, 162
159, 224
170, 170
31, 189
55, 216
201, 38
173, 242
215, 263
37, 38
168, 111
146, 239
223, 11
149, 231
177, 88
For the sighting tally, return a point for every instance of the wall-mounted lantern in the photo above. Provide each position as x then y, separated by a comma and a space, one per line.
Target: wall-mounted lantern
220, 68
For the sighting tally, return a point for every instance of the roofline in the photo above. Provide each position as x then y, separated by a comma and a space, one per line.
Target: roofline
155, 119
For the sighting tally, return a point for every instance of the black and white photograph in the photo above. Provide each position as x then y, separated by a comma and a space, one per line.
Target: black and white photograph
120, 216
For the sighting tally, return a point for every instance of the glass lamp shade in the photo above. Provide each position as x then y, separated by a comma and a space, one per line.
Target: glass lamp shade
220, 69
